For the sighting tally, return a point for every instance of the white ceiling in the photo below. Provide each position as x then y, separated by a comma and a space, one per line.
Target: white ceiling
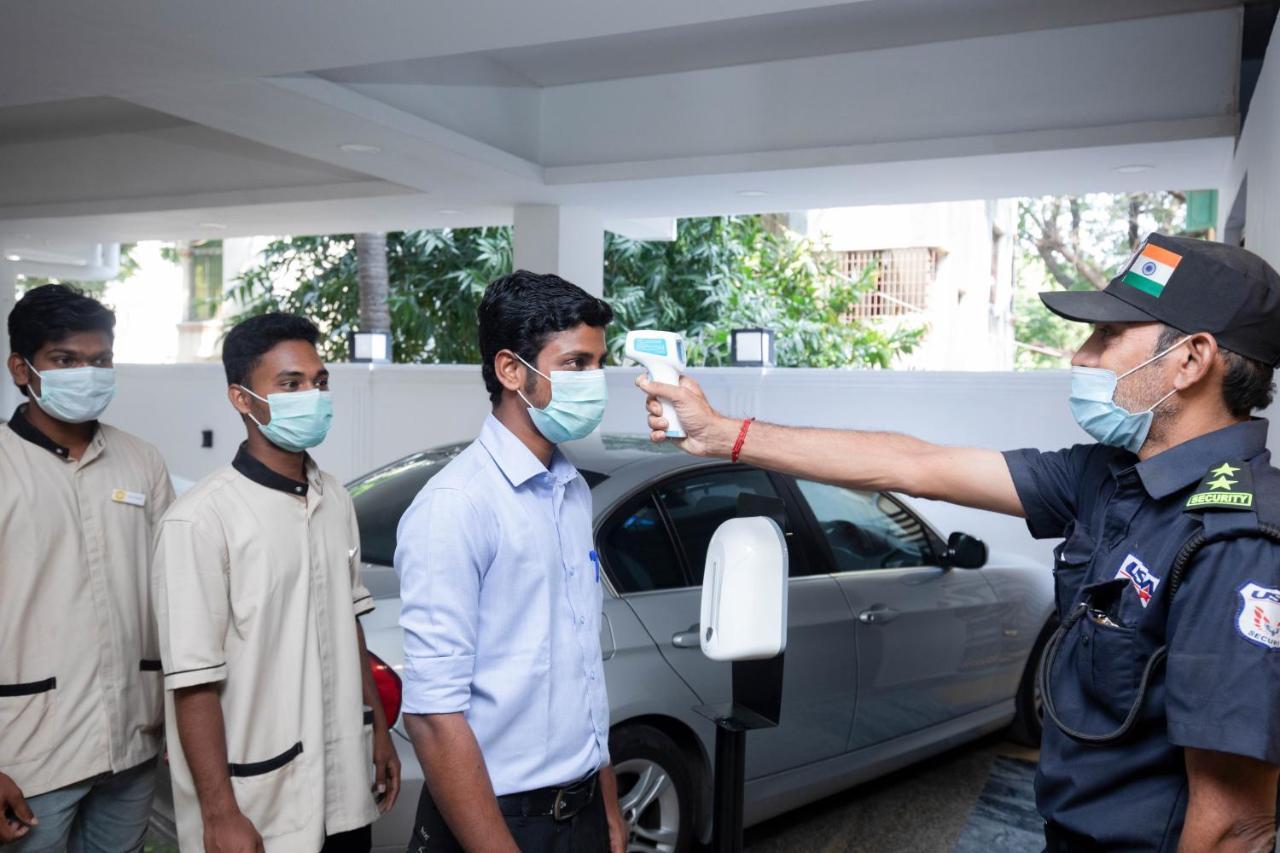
123, 121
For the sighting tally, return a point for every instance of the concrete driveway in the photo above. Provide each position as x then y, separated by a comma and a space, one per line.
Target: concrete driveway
974, 799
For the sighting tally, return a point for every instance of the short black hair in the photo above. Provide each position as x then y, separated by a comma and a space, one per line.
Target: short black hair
251, 339
519, 312
51, 312
1247, 384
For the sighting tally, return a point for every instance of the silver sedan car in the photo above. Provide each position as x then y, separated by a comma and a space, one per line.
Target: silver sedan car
902, 644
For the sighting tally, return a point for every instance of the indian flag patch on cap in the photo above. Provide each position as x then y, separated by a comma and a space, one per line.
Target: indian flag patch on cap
1151, 269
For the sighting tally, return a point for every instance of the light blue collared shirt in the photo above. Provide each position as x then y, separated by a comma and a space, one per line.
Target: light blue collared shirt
501, 611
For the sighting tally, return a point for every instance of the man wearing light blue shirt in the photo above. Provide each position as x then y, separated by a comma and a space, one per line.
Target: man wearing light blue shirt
504, 692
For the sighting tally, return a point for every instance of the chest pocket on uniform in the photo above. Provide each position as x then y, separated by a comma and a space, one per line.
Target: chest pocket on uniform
1106, 649
1070, 562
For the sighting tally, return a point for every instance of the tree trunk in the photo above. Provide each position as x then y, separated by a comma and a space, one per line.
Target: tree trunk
374, 286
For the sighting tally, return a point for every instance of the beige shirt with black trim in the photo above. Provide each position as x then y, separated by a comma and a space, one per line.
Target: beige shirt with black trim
79, 662
257, 586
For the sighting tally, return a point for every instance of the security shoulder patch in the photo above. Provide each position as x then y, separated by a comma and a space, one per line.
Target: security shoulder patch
1228, 486
1259, 617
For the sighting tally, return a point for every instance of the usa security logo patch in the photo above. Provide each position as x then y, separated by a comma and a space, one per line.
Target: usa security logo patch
1140, 578
1259, 619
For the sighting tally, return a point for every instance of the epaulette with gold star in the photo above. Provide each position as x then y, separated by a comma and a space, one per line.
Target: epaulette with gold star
1226, 486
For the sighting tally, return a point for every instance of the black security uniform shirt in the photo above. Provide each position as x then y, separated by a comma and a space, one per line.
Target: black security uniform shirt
1124, 522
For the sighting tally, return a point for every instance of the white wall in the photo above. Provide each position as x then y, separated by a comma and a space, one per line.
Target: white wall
384, 412
1258, 160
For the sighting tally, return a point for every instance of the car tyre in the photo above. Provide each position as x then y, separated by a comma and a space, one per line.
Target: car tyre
655, 790
1029, 709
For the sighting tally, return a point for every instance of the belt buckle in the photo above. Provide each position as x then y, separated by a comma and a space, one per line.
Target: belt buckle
555, 810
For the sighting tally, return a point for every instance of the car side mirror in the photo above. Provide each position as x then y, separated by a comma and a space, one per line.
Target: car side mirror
964, 552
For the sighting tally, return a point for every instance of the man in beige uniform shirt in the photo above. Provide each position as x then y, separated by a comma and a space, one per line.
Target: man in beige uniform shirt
80, 708
272, 710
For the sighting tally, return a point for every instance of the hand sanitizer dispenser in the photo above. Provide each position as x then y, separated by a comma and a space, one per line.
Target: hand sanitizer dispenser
663, 355
744, 591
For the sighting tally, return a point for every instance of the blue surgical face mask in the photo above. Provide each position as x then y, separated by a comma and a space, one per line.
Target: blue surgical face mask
1093, 405
299, 419
74, 395
578, 398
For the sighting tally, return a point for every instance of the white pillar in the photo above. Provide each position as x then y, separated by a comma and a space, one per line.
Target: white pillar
567, 241
8, 296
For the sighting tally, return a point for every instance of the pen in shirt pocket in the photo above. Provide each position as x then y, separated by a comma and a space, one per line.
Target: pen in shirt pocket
595, 558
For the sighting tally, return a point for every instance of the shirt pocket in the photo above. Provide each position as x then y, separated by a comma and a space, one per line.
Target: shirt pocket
149, 696
275, 792
26, 721
1109, 661
1070, 564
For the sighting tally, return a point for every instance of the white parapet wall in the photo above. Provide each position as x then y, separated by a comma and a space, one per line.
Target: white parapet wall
385, 412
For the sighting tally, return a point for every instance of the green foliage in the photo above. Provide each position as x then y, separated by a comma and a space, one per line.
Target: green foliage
1077, 243
719, 274
723, 273
437, 279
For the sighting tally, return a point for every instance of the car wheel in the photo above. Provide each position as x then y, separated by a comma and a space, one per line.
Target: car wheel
655, 790
1029, 714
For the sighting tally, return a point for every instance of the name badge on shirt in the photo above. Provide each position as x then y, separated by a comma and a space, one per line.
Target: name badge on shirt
123, 496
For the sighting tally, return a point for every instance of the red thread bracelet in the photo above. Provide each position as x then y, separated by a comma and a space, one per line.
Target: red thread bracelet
742, 437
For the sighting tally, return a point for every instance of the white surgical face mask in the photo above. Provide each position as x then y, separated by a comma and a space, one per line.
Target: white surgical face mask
299, 419
578, 398
1093, 405
74, 395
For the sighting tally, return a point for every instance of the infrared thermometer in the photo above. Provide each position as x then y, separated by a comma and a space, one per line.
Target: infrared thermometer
662, 354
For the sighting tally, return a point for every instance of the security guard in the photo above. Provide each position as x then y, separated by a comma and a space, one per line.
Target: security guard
1163, 681
80, 710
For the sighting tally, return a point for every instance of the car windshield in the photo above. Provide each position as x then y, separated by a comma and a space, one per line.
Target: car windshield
381, 497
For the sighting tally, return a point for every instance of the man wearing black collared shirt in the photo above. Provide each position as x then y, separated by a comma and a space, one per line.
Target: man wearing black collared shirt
1183, 350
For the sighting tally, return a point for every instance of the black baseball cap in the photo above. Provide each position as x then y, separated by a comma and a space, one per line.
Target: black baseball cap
1193, 286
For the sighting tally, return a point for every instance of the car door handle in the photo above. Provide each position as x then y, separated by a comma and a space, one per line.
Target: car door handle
877, 616
690, 638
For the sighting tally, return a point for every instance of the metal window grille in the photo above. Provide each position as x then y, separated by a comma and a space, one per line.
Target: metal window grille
903, 279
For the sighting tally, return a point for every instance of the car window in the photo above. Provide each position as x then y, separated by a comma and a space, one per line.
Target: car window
636, 550
382, 497
867, 530
698, 504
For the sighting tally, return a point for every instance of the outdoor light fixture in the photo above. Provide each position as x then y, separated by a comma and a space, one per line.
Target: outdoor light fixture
752, 193
14, 258
448, 211
359, 148
372, 347
1134, 168
751, 348
212, 226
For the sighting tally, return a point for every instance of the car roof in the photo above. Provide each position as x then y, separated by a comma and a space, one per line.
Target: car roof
607, 454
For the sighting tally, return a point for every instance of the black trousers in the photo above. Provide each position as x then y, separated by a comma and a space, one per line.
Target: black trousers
585, 832
356, 841
1059, 840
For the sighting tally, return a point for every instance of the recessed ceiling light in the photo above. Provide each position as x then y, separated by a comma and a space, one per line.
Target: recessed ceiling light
1134, 168
13, 257
448, 211
752, 193
215, 226
358, 148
